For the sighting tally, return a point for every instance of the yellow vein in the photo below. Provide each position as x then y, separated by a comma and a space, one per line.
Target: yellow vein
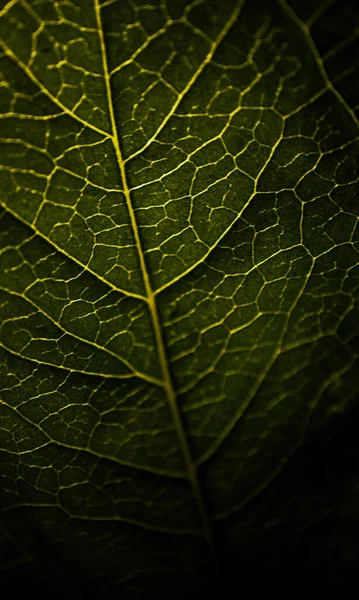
7, 7
91, 451
318, 13
70, 370
126, 363
51, 97
297, 444
85, 268
151, 299
231, 21
308, 37
228, 229
277, 350
183, 531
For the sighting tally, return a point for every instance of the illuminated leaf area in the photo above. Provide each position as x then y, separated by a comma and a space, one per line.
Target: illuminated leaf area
179, 288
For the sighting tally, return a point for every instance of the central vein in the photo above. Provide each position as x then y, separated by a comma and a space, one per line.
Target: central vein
152, 303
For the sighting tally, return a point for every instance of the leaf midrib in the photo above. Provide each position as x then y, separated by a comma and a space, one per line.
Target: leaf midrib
168, 386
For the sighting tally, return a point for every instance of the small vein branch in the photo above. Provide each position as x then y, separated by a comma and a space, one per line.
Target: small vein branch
304, 28
233, 18
64, 109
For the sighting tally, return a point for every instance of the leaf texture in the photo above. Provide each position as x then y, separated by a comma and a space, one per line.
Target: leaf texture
179, 278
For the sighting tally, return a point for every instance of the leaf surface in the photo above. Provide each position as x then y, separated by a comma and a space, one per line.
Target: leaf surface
178, 273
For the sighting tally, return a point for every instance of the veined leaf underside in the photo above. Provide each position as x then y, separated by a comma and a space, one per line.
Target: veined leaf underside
178, 254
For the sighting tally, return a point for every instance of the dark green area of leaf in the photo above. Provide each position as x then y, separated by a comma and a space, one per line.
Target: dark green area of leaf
179, 284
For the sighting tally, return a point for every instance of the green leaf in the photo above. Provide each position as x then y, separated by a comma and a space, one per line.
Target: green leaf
179, 284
